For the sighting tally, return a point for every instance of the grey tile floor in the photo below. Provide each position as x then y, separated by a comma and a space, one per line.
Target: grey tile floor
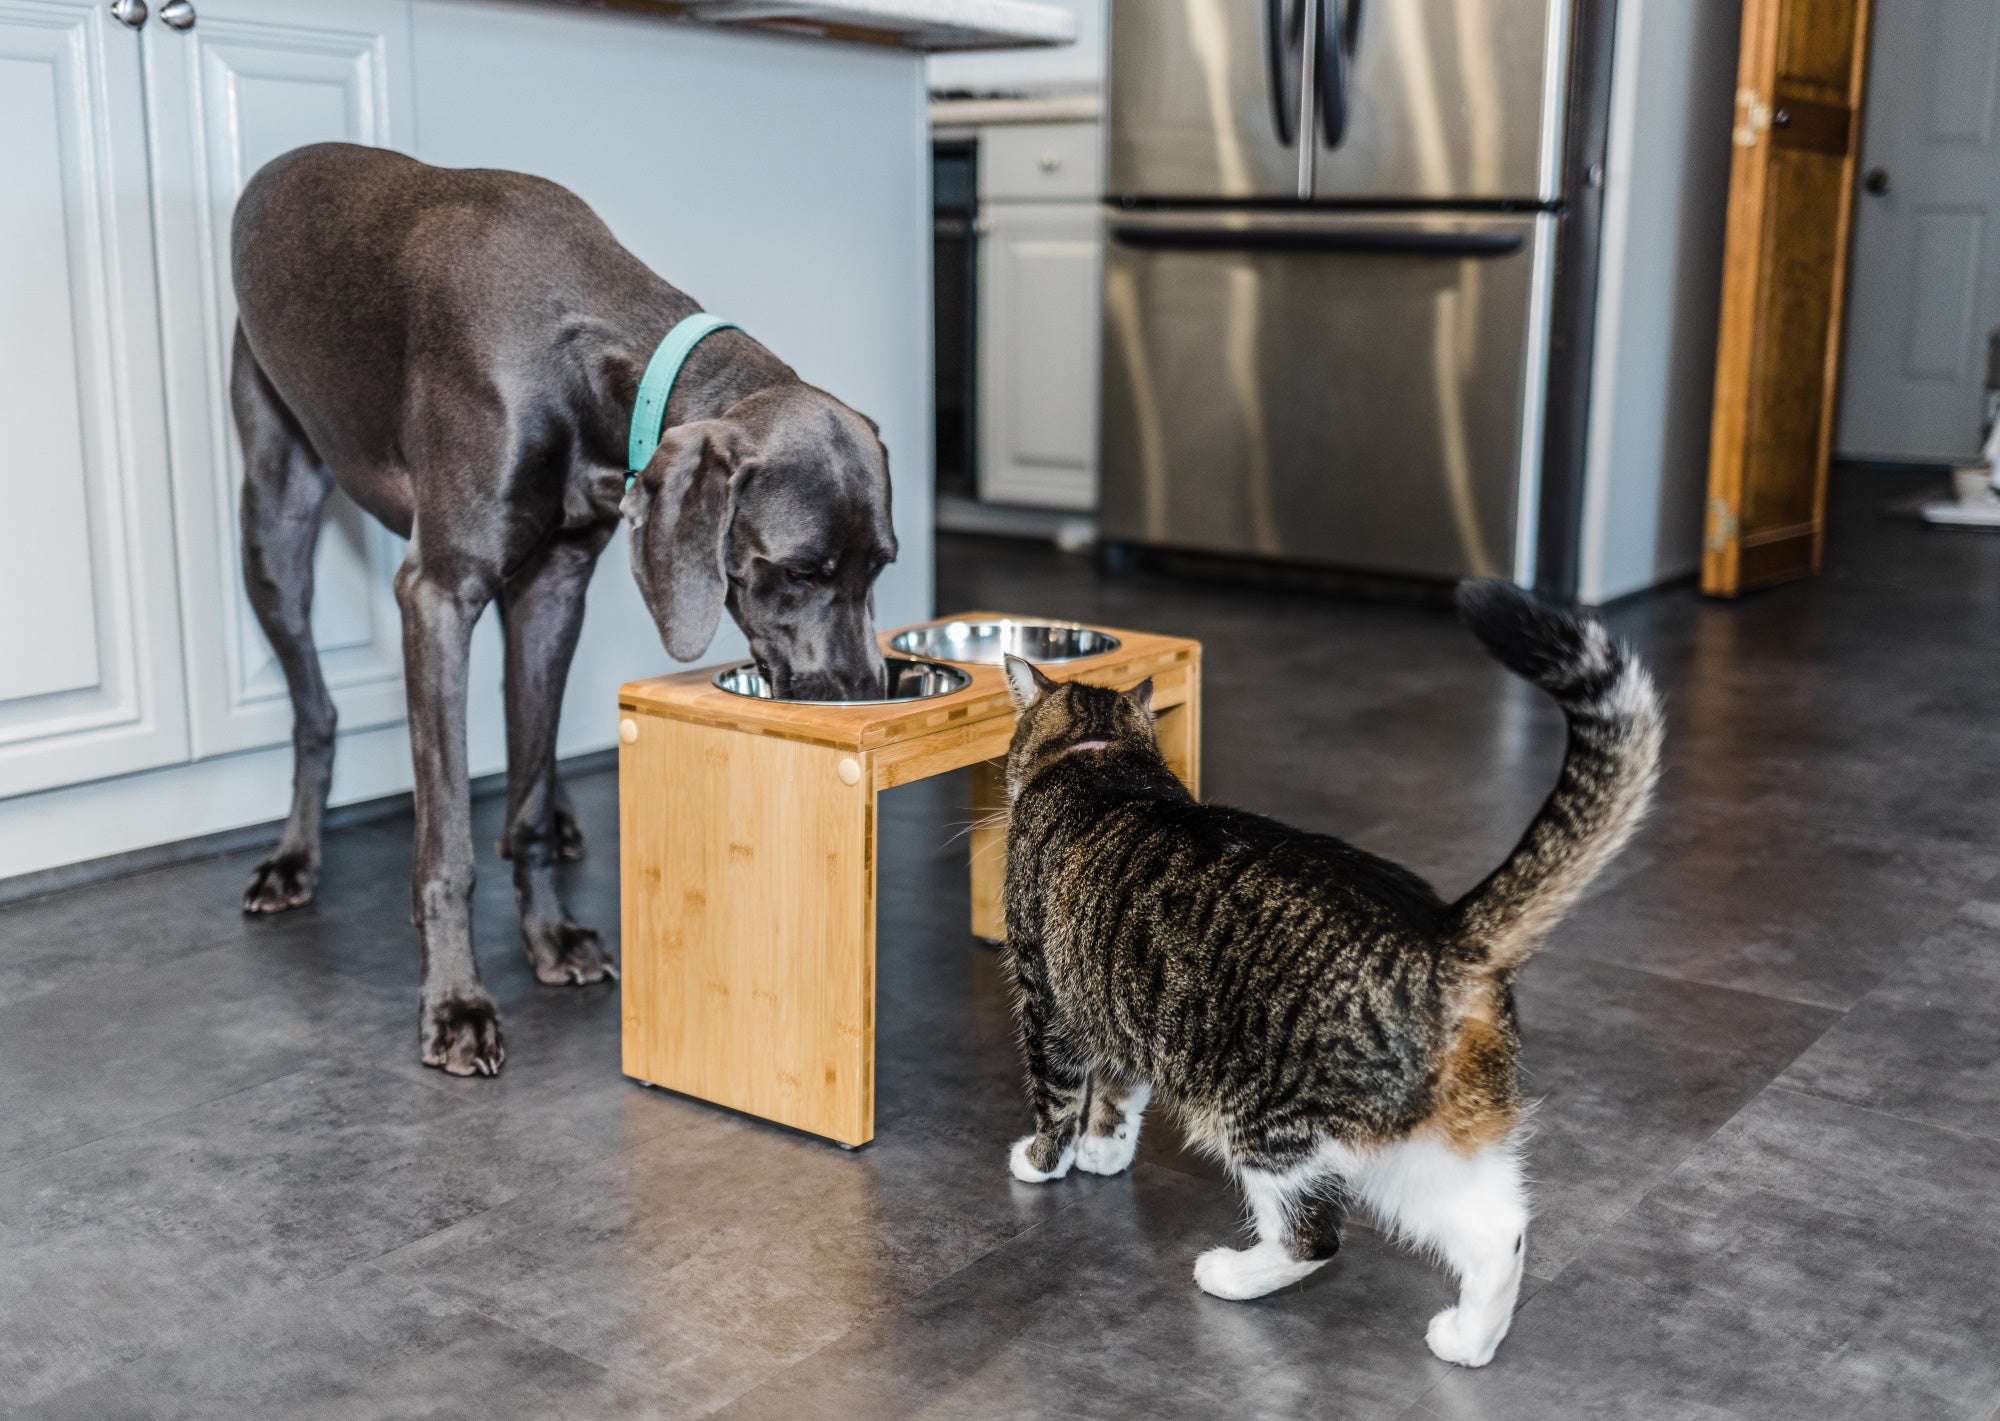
1767, 1047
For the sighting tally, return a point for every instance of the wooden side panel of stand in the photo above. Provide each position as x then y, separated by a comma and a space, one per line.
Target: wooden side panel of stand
1179, 729
749, 913
989, 849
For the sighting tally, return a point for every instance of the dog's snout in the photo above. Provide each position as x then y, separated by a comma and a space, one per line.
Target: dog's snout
864, 681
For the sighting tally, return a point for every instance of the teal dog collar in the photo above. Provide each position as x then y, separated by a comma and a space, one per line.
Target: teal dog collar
649, 409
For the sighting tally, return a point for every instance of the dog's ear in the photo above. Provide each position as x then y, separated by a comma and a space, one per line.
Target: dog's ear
1025, 682
680, 508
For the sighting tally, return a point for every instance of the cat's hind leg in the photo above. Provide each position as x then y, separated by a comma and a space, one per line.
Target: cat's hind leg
1056, 1091
1472, 1210
1111, 1123
1057, 1077
1297, 1215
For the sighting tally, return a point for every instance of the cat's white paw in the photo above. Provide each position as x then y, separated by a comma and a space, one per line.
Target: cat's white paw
1024, 1170
1241, 1273
1218, 1273
1107, 1154
1449, 1342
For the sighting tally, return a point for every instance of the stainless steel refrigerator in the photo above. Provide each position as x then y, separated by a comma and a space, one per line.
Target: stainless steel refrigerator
1330, 278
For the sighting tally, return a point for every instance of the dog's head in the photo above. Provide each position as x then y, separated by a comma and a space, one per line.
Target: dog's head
779, 510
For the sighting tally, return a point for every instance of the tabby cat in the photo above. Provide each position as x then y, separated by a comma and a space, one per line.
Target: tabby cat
1316, 1016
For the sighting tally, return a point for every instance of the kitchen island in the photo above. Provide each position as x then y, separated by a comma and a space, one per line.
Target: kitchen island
782, 178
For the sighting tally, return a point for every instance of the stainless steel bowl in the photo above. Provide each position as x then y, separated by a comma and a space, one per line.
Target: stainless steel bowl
988, 643
909, 680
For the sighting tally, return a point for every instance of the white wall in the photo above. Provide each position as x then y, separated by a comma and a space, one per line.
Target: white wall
1666, 197
1068, 67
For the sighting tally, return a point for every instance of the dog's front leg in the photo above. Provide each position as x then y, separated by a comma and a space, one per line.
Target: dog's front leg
458, 1026
542, 610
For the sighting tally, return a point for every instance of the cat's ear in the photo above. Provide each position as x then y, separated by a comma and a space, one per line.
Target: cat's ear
1141, 696
1025, 682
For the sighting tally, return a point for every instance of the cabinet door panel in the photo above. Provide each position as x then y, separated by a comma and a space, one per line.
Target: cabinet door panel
90, 679
1038, 310
248, 82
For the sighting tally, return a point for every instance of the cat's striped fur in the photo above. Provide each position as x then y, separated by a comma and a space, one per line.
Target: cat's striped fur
1315, 1015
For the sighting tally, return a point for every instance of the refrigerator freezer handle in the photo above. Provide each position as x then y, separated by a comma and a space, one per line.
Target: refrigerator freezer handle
1385, 240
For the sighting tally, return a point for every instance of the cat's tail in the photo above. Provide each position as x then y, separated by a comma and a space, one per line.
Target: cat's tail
1608, 773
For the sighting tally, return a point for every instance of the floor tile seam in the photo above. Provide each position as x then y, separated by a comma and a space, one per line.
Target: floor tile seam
918, 1295
1587, 956
374, 1263
1838, 1013
263, 846
291, 1070
109, 974
437, 1084
585, 1155
462, 1305
1801, 1093
1605, 1230
651, 1384
1610, 1226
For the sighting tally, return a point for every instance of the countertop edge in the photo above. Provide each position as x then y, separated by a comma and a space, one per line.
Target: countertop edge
921, 26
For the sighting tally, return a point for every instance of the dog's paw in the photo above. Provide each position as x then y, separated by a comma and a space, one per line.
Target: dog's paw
1108, 1154
461, 1036
1449, 1340
567, 954
281, 881
1021, 1163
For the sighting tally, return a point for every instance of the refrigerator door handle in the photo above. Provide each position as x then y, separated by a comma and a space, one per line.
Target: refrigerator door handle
1278, 55
1339, 27
1351, 240
1309, 82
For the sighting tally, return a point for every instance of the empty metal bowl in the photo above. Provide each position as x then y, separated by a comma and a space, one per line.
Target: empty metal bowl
909, 680
988, 643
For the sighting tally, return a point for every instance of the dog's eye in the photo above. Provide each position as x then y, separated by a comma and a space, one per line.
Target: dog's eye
796, 574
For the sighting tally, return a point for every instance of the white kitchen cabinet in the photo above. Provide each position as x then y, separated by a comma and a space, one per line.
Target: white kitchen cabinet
250, 80
1039, 324
90, 674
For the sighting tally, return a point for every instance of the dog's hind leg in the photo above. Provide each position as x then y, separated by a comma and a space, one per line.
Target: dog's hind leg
568, 833
541, 608
284, 492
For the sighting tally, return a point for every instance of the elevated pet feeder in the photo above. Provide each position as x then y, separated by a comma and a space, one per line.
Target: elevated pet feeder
747, 848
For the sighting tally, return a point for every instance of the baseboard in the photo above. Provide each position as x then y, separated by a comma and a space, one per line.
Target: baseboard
1274, 575
228, 841
1070, 530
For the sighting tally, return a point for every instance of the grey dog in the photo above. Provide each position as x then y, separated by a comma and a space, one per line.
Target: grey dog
458, 350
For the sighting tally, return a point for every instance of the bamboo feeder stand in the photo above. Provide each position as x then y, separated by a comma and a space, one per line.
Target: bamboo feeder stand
747, 853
